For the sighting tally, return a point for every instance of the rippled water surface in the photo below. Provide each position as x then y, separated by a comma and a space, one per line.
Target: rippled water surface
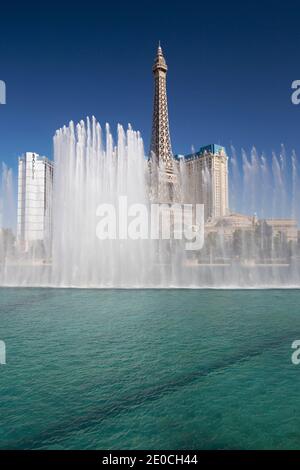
149, 369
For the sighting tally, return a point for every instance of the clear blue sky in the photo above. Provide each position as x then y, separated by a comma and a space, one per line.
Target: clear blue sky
230, 70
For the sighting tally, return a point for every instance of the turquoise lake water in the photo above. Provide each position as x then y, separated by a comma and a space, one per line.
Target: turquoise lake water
149, 369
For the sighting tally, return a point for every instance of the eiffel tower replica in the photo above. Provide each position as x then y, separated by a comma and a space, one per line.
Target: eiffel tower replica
164, 185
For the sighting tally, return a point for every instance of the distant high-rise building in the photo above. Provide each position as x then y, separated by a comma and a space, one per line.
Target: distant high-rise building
205, 179
35, 188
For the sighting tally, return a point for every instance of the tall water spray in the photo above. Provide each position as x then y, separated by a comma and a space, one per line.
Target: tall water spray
7, 218
92, 172
265, 185
7, 200
89, 171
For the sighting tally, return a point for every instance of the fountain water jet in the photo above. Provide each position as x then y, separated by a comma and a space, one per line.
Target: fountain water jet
7, 201
90, 169
89, 173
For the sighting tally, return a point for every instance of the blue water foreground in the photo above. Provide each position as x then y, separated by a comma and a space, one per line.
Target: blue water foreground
149, 369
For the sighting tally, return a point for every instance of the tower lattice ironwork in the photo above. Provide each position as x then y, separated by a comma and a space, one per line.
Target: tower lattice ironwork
160, 142
161, 149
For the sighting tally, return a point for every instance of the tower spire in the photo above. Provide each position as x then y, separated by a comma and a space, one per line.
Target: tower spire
164, 175
160, 141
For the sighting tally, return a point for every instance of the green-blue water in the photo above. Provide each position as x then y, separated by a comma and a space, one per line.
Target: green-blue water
95, 369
